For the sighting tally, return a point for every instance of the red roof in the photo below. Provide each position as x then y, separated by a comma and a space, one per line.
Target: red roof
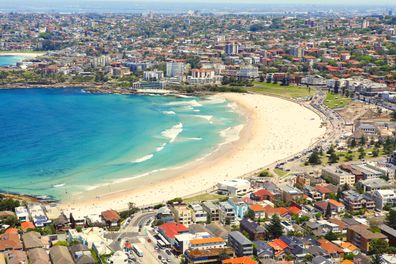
172, 229
322, 189
111, 216
27, 225
257, 208
263, 192
294, 210
241, 260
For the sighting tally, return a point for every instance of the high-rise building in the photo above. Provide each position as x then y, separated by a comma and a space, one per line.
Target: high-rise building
175, 69
231, 48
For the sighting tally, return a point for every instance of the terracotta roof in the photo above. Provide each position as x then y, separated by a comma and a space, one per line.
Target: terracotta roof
335, 203
263, 192
257, 208
349, 246
346, 261
329, 247
207, 240
111, 216
27, 225
278, 244
241, 260
294, 210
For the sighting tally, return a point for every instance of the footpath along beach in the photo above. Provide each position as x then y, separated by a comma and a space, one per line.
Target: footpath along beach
274, 129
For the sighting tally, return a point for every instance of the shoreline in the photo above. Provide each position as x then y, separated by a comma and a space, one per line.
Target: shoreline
254, 150
30, 54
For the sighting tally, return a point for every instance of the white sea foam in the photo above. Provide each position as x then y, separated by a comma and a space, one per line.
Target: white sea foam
194, 138
231, 134
158, 149
169, 112
58, 185
147, 157
196, 110
192, 103
173, 132
214, 100
207, 117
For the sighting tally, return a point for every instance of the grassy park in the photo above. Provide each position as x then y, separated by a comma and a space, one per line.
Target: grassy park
283, 91
336, 100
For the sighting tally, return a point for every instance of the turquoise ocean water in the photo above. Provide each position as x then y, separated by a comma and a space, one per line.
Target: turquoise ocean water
6, 60
54, 141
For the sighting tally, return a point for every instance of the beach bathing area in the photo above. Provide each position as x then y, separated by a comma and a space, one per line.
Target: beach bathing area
274, 129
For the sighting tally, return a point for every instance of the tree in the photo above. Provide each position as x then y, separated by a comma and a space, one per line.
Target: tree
353, 143
11, 221
314, 158
333, 158
331, 150
331, 236
362, 141
391, 218
378, 246
328, 211
375, 152
274, 228
362, 153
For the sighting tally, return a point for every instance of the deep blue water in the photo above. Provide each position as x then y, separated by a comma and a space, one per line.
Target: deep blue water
54, 141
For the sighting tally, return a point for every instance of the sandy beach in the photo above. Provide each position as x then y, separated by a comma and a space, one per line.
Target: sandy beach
22, 54
274, 129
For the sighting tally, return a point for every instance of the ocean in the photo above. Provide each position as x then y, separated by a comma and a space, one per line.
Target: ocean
62, 141
6, 60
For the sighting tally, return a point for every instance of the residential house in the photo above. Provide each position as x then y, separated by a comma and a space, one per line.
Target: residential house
111, 218
10, 241
234, 187
335, 206
241, 245
261, 195
279, 247
338, 176
81, 254
38, 256
374, 184
226, 213
32, 240
253, 229
22, 213
331, 249
199, 215
16, 257
290, 193
360, 236
384, 198
355, 201
239, 206
60, 255
38, 215
212, 210
183, 214
390, 233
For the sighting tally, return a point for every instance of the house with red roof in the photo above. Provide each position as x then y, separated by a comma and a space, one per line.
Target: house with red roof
261, 195
171, 229
111, 218
279, 246
25, 226
332, 249
258, 210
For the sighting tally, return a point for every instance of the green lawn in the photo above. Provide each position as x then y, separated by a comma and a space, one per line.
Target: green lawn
355, 155
284, 91
203, 197
336, 100
280, 172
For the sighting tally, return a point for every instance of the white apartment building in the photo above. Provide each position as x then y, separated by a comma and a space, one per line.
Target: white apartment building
383, 198
234, 187
199, 215
339, 176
